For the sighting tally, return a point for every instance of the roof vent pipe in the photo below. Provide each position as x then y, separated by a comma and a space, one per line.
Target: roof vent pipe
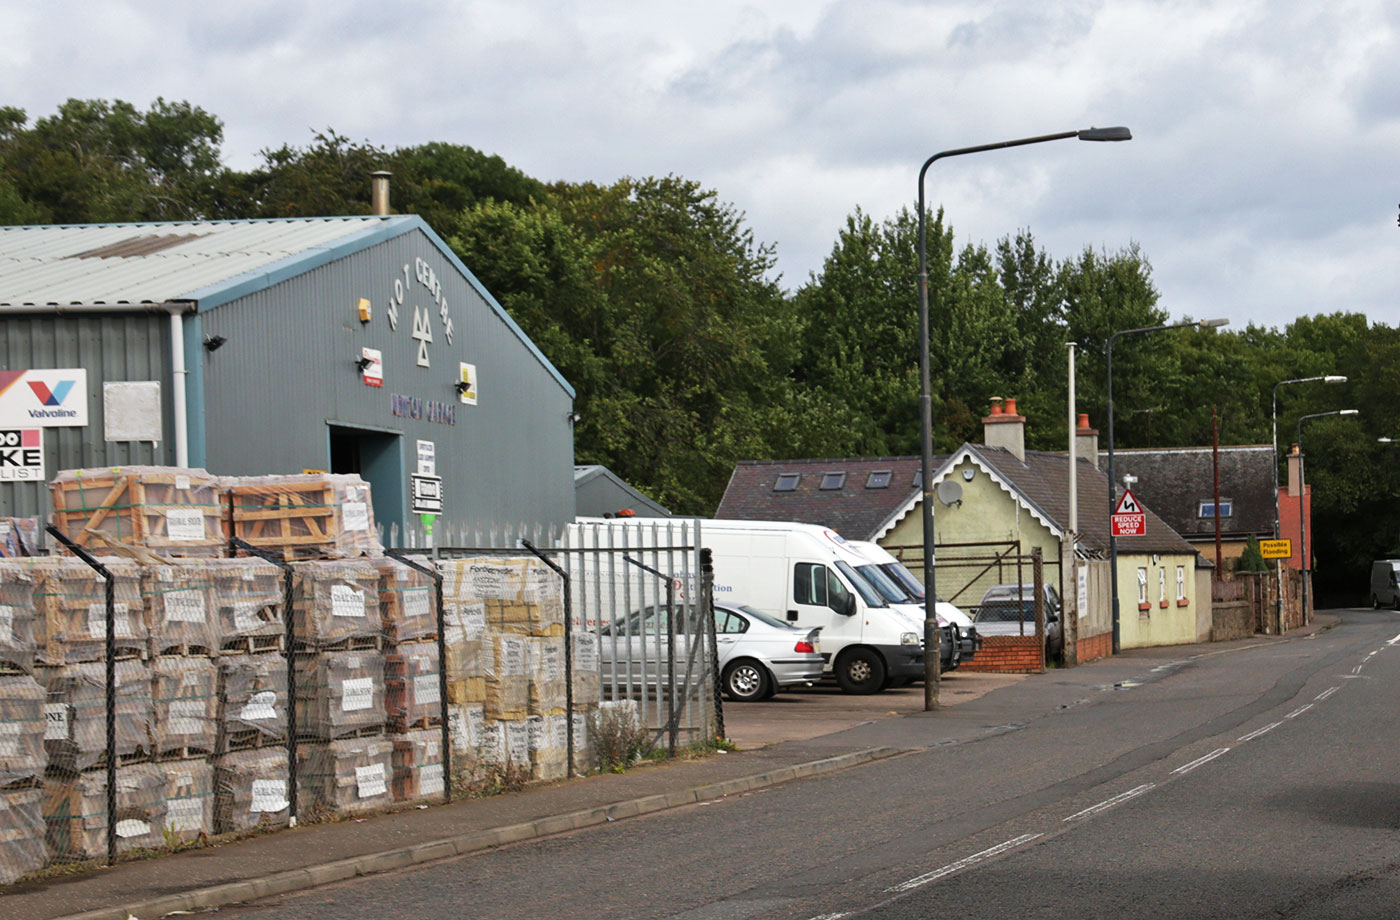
379, 192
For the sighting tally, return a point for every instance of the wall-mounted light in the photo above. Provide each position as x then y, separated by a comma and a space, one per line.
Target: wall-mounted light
574, 417
968, 474
363, 308
461, 386
362, 362
214, 342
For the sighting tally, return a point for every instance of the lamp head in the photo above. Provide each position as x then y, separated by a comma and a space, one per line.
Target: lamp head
1385, 440
1334, 378
1105, 134
1213, 323
1348, 412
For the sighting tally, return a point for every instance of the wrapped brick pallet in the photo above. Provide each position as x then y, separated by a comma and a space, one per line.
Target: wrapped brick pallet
318, 516
588, 689
251, 790
189, 799
22, 754
180, 609
545, 664
345, 777
417, 765
75, 810
336, 604
407, 605
412, 691
185, 707
75, 732
252, 699
465, 628
503, 664
17, 644
168, 510
21, 536
22, 830
70, 610
248, 596
549, 746
340, 694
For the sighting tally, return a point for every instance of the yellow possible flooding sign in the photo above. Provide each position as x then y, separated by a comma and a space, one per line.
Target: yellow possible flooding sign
1276, 549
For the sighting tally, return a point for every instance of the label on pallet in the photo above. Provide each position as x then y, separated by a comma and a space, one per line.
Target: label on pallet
430, 779
245, 618
56, 722
97, 620
268, 795
425, 689
370, 781
186, 717
186, 606
133, 827
347, 602
355, 515
184, 524
415, 603
356, 693
261, 705
184, 814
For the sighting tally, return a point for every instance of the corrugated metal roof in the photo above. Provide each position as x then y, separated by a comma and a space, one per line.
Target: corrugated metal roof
154, 263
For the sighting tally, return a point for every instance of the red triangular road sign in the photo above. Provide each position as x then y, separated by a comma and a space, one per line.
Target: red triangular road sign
1128, 504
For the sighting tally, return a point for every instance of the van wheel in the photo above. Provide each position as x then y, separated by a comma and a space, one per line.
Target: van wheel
745, 681
1375, 602
860, 671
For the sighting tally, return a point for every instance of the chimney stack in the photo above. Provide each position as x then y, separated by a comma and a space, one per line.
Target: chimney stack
379, 193
1086, 440
1004, 428
1295, 473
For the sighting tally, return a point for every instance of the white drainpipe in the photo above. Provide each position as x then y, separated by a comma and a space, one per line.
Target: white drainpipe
177, 386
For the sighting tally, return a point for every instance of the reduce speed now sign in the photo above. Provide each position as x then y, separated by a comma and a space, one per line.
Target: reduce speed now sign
1129, 520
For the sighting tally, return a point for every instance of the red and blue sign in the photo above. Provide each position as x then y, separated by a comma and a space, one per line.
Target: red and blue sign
48, 398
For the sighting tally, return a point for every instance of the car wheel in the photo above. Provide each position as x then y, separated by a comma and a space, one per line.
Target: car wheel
1375, 602
860, 671
1395, 601
745, 681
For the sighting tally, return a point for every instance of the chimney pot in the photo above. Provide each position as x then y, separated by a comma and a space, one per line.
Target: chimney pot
379, 192
1004, 428
996, 406
1010, 406
1083, 420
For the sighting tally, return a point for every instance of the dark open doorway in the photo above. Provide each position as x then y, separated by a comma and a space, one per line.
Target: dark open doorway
377, 457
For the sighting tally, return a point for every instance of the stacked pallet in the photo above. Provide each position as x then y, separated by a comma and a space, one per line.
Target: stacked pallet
70, 610
168, 510
75, 811
21, 536
251, 789
305, 517
22, 762
180, 610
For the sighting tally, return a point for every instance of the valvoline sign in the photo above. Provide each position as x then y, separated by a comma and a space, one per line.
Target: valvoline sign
44, 398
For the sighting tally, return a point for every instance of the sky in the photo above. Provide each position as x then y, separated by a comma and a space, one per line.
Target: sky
1260, 183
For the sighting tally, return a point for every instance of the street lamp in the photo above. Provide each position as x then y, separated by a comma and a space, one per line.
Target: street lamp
1330, 378
926, 395
1303, 506
1112, 483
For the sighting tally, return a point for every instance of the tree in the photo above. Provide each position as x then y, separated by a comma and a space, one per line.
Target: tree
1252, 560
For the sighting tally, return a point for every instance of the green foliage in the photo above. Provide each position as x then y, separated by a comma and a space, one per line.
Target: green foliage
1252, 560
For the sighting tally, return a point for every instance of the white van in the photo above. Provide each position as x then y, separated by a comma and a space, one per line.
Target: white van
895, 571
1385, 591
806, 575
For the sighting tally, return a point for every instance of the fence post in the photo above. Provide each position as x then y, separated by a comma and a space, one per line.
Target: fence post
1039, 576
707, 595
110, 657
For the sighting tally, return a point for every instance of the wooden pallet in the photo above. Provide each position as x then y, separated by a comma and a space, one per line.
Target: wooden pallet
184, 650
253, 645
305, 517
377, 730
133, 505
348, 644
250, 740
181, 752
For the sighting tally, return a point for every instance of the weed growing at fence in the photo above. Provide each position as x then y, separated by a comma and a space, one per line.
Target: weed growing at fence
617, 738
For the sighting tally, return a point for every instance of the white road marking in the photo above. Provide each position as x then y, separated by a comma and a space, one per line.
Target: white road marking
1393, 641
1259, 731
1187, 768
1109, 803
1326, 693
829, 916
1356, 670
963, 863
1299, 711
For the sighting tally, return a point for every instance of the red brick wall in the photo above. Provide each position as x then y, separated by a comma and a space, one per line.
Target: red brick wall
1100, 646
1007, 655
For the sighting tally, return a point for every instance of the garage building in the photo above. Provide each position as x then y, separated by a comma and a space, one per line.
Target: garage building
347, 345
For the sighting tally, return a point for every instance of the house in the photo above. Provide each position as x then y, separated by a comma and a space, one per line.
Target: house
599, 492
1178, 484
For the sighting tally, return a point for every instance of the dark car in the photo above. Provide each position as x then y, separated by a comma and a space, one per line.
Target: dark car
1009, 610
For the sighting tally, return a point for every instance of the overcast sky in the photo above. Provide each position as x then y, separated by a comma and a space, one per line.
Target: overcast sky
1261, 182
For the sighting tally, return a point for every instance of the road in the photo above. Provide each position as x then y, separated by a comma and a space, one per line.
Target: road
1261, 782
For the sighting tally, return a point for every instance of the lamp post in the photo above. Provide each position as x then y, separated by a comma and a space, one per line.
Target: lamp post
1112, 482
926, 387
1332, 379
1303, 505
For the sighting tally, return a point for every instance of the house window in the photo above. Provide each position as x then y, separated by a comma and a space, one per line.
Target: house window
832, 481
1181, 586
1142, 590
1207, 508
879, 479
1162, 587
787, 482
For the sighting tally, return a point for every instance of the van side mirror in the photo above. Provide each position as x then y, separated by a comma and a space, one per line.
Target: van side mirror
848, 609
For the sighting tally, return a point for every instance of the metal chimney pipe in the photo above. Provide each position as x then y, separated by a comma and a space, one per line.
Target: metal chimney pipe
379, 192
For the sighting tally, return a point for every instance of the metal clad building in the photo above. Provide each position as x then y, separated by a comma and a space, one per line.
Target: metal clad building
268, 317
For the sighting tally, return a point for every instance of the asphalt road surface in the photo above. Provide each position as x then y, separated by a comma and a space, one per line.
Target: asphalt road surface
1262, 782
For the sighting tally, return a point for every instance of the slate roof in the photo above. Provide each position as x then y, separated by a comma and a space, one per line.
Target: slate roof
1042, 483
855, 511
1174, 481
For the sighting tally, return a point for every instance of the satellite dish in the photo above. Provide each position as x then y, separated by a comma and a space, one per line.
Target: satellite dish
949, 492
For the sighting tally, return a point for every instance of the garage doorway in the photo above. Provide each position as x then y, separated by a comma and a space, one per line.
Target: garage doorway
377, 458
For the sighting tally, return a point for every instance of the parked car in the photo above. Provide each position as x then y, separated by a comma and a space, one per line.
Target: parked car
1009, 610
758, 653
1385, 591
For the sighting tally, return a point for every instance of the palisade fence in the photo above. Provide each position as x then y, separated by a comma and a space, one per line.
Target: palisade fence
150, 704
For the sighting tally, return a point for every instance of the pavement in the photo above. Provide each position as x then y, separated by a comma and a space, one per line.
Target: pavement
798, 735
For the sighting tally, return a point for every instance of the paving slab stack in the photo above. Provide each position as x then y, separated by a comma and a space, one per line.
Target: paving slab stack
203, 646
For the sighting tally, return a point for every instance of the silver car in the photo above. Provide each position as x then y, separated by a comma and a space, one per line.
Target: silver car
758, 653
